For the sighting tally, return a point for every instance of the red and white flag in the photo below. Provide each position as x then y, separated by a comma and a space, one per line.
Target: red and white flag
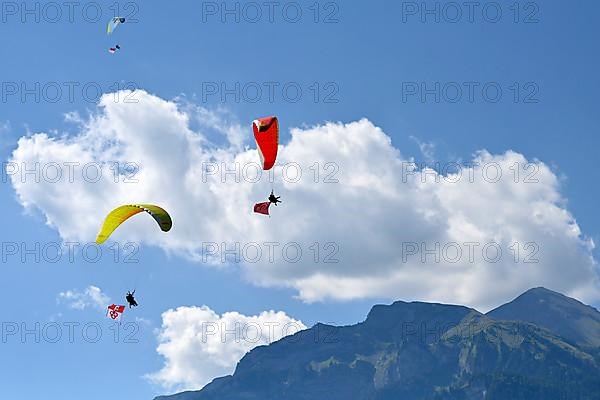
262, 208
115, 312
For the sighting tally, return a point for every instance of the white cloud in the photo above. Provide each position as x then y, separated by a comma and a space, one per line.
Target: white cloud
5, 134
427, 149
199, 345
4, 126
90, 297
378, 205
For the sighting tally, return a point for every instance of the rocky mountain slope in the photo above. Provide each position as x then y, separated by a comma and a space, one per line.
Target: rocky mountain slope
541, 346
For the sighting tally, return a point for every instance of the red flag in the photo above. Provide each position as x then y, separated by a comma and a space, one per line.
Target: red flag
115, 311
262, 208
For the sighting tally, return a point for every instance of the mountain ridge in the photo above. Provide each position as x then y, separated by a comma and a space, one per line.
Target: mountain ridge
428, 351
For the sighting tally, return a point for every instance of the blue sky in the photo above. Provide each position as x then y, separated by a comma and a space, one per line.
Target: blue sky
364, 60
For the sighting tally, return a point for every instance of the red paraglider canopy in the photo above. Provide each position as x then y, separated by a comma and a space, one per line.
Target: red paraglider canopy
262, 208
266, 134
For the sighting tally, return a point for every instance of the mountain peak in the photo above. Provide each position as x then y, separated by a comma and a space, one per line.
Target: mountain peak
542, 291
565, 316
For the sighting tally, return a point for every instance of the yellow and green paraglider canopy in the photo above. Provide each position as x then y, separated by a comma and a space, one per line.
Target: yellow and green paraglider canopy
113, 24
121, 214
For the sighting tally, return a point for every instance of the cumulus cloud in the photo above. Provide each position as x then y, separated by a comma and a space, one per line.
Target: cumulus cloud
198, 344
360, 221
90, 297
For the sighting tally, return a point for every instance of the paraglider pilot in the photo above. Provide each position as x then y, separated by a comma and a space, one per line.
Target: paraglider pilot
130, 299
274, 199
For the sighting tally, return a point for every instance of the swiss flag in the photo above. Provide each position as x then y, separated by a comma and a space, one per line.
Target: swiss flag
262, 208
115, 311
